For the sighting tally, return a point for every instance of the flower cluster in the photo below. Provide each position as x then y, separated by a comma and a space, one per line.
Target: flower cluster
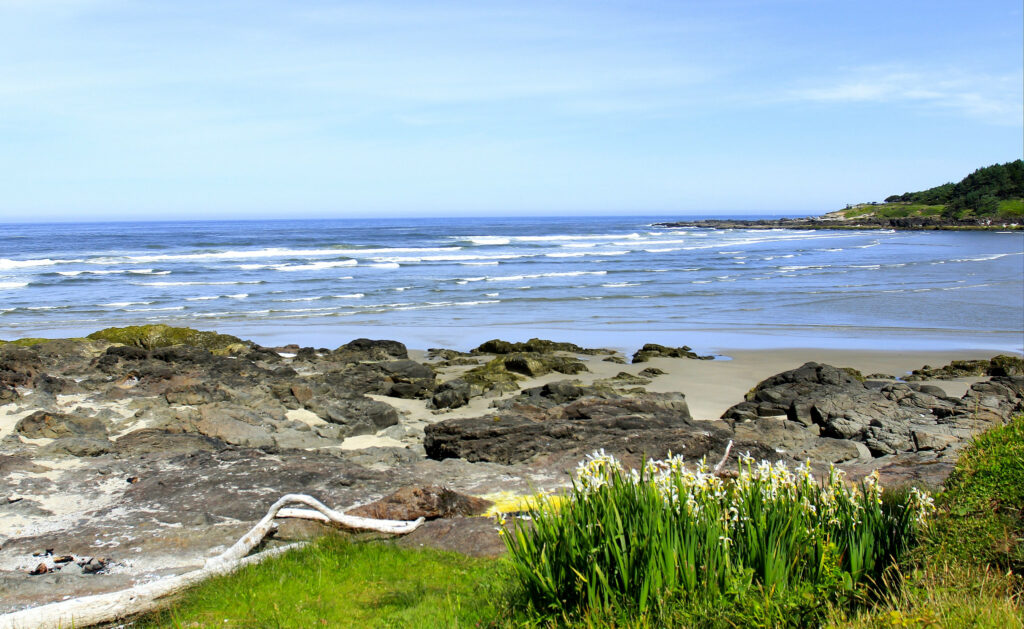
827, 504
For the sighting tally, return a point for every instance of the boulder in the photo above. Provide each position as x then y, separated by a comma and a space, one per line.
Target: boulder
357, 414
425, 501
408, 379
653, 350
451, 394
367, 349
651, 425
43, 424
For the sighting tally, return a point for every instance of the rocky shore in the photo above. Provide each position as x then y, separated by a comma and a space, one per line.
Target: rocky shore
138, 452
834, 221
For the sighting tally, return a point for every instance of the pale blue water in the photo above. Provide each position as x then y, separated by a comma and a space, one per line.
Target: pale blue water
456, 282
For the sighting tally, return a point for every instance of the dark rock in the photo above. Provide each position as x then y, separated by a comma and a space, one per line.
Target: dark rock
653, 350
409, 379
194, 395
451, 394
154, 440
77, 446
535, 346
652, 425
1001, 365
366, 349
359, 415
425, 501
42, 424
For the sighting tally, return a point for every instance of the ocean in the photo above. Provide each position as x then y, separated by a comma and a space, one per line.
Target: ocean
605, 281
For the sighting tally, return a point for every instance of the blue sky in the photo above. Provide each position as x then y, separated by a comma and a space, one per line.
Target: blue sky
182, 109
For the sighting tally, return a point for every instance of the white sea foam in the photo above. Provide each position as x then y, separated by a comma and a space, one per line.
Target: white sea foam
516, 278
451, 258
196, 283
385, 265
315, 266
349, 296
491, 294
479, 263
269, 253
122, 304
237, 296
565, 255
155, 309
620, 284
486, 240
12, 285
8, 264
206, 298
994, 256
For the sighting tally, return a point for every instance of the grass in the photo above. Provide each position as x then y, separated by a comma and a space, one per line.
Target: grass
965, 572
338, 583
1008, 209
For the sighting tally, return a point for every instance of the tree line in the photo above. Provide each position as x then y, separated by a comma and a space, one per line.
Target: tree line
980, 191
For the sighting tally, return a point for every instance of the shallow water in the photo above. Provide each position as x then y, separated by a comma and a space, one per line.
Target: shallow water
453, 281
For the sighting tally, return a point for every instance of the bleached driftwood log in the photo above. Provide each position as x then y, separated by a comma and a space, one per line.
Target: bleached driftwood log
98, 608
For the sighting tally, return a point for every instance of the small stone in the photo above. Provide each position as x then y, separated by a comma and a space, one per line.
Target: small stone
14, 498
43, 552
40, 569
71, 568
132, 479
63, 559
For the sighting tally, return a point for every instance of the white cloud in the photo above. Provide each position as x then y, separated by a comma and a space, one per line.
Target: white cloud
995, 99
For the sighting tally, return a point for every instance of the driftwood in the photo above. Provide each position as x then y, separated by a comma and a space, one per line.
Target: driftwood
99, 608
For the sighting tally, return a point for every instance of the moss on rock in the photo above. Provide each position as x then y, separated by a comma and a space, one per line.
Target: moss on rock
159, 335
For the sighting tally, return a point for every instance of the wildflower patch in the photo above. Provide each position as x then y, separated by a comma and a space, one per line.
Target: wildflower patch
639, 538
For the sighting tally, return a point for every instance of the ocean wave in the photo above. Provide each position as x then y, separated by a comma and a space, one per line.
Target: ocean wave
516, 278
259, 254
994, 256
122, 304
485, 240
163, 309
7, 264
479, 263
197, 283
384, 265
12, 285
620, 284
315, 266
349, 296
451, 258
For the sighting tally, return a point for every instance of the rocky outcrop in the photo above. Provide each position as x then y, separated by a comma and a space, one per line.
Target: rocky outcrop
651, 425
535, 346
1001, 365
653, 350
887, 418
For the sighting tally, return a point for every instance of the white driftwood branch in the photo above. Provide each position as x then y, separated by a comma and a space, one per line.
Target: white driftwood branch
725, 457
98, 608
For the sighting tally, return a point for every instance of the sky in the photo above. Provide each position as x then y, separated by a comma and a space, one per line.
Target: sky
194, 109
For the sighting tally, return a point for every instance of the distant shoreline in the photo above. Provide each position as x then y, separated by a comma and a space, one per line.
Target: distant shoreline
922, 223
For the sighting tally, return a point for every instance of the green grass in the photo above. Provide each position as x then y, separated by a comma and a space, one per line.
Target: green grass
1012, 207
339, 583
1007, 209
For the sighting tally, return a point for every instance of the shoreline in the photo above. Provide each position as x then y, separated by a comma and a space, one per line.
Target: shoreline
719, 341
